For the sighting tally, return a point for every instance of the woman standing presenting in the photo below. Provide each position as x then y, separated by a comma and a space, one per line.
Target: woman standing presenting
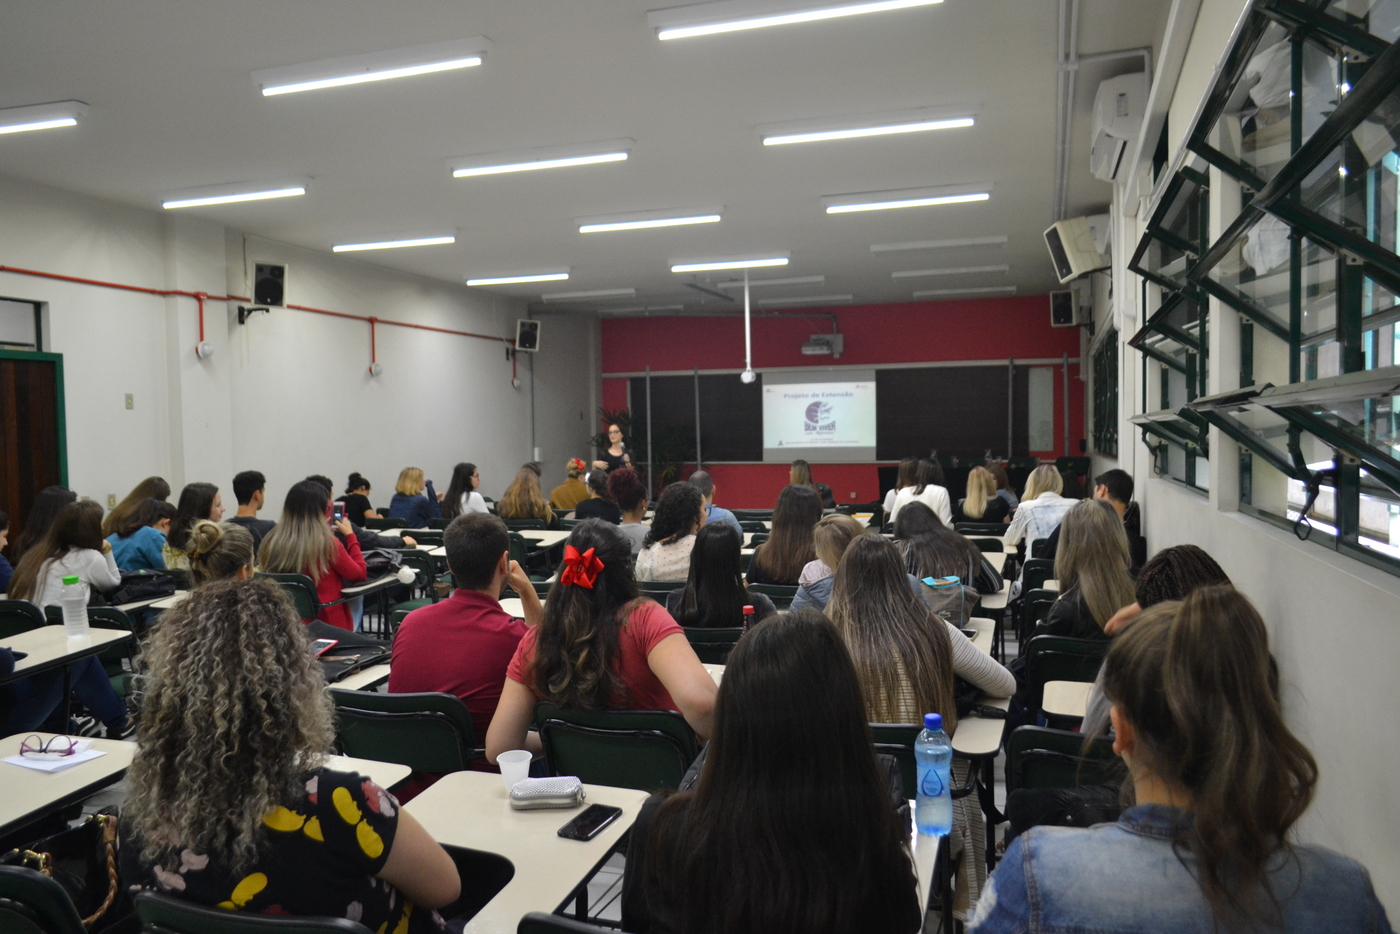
615, 456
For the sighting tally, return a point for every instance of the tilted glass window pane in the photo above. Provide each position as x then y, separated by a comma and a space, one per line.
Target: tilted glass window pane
1256, 270
1355, 185
1381, 18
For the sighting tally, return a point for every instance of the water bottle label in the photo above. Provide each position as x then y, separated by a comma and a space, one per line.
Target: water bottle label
931, 783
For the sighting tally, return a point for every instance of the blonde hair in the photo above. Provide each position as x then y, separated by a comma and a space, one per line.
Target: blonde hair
410, 481
981, 489
301, 542
1094, 558
1043, 479
217, 550
523, 499
234, 714
832, 535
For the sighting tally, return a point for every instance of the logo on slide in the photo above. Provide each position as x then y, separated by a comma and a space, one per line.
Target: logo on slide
820, 416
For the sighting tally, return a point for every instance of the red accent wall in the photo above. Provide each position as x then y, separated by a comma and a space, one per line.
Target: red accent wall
875, 335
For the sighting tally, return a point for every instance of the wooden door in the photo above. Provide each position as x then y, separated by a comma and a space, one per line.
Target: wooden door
33, 449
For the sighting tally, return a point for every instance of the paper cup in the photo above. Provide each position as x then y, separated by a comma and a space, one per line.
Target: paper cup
515, 766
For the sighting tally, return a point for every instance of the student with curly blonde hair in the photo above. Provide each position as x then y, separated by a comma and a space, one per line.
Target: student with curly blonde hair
230, 803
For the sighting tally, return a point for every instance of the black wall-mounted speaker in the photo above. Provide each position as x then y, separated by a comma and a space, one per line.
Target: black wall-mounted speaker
527, 335
1062, 309
269, 284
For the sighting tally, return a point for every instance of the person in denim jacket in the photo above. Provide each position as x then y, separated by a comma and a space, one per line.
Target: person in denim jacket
1218, 781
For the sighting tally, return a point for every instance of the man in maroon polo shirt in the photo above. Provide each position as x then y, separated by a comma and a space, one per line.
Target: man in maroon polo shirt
463, 644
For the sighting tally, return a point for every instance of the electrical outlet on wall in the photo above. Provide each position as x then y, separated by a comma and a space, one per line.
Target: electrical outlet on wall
111, 500
130, 404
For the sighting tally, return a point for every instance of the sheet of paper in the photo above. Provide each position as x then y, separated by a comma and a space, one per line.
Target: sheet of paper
45, 764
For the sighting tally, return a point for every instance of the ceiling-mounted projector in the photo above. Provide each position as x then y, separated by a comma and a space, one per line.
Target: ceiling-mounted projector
822, 344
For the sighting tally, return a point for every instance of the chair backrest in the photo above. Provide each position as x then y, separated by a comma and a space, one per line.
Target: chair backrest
516, 525
980, 528
761, 515
780, 594
714, 645
1036, 571
1035, 607
569, 524
659, 590
752, 525
384, 522
17, 616
161, 914
301, 589
759, 538
427, 732
897, 739
32, 903
1039, 757
1060, 658
649, 750
985, 545
441, 522
537, 922
421, 563
431, 537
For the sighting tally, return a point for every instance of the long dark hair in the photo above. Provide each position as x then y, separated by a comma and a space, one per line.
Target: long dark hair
783, 833
930, 474
577, 642
147, 512
790, 547
77, 525
196, 500
714, 594
121, 515
677, 513
930, 548
355, 482
460, 486
42, 512
1195, 681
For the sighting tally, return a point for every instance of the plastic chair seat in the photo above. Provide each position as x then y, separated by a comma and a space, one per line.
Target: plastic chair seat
161, 914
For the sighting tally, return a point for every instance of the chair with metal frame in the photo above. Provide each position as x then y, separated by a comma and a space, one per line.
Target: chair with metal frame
1040, 757
1035, 607
1059, 658
1035, 572
302, 590
17, 616
537, 922
119, 660
162, 914
713, 646
781, 594
752, 525
524, 525
986, 545
997, 529
440, 522
382, 523
32, 903
649, 750
428, 732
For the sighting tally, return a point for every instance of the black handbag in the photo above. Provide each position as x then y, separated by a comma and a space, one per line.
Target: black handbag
83, 860
381, 561
142, 585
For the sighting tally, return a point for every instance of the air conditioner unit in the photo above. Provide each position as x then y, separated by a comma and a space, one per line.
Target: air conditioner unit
822, 344
1072, 245
1118, 112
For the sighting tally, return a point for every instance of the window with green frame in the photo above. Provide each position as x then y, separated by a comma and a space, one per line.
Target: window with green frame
1105, 370
1304, 119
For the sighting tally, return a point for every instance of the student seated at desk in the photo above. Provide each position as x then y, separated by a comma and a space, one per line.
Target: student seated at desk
929, 490
906, 659
932, 549
1218, 781
303, 543
1092, 568
462, 498
138, 544
523, 500
981, 504
600, 646
906, 476
229, 802
832, 536
357, 507
155, 488
220, 551
781, 833
197, 501
665, 554
250, 489
572, 491
411, 503
463, 644
600, 504
1042, 507
42, 512
714, 595
789, 548
630, 494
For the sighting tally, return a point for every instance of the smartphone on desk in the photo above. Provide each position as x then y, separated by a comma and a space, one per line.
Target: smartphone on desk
321, 646
590, 822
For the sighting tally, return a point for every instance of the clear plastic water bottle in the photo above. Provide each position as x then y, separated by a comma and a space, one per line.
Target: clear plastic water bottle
74, 598
933, 809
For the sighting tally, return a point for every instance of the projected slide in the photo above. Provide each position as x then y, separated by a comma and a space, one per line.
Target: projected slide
822, 421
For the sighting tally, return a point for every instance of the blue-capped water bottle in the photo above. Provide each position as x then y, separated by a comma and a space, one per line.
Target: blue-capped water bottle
933, 810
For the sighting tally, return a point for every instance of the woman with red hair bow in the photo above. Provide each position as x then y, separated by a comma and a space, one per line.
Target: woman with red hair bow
600, 646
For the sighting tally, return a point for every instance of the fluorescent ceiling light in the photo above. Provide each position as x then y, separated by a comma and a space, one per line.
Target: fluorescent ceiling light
908, 198
949, 271
623, 311
643, 220
755, 283
729, 263
375, 66
435, 240
916, 246
706, 19
797, 301
861, 132
529, 277
235, 192
552, 157
587, 296
951, 293
41, 116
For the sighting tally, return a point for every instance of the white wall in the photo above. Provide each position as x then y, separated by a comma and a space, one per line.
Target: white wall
288, 393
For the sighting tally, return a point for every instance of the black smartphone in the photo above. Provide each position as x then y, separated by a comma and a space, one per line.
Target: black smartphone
590, 822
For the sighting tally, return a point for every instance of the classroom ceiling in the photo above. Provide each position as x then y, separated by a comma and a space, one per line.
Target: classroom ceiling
173, 105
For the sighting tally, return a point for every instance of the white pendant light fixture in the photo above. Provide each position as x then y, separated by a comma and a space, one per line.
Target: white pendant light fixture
645, 220
374, 66
905, 198
41, 116
423, 239
549, 157
234, 192
521, 278
707, 19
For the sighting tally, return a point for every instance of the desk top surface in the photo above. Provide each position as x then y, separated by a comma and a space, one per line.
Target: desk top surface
471, 809
365, 678
28, 793
1066, 698
48, 646
379, 583
997, 601
383, 774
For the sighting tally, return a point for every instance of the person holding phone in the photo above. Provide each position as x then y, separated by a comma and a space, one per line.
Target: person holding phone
303, 543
